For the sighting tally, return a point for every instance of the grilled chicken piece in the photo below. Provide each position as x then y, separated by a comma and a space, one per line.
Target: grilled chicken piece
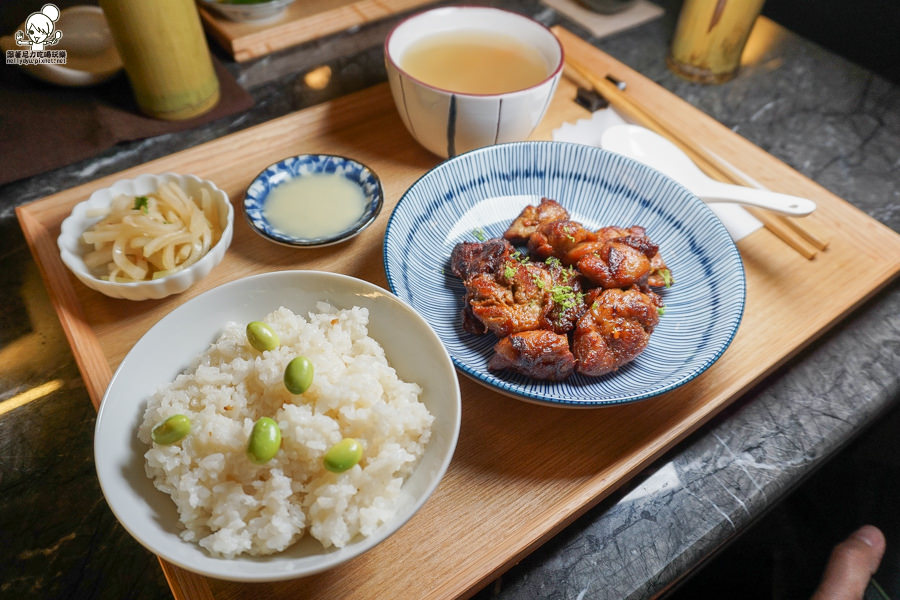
615, 264
540, 354
658, 274
614, 330
531, 217
522, 296
506, 294
610, 257
566, 298
505, 305
503, 295
606, 234
559, 238
471, 258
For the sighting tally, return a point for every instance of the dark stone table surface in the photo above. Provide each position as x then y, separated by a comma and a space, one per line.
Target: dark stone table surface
831, 120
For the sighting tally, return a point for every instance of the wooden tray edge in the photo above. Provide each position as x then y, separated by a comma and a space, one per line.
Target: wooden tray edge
83, 342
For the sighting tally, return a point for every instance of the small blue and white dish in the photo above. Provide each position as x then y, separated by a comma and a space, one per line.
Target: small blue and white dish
296, 167
458, 201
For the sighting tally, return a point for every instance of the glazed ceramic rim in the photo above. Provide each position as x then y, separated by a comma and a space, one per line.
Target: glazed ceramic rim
468, 7
371, 212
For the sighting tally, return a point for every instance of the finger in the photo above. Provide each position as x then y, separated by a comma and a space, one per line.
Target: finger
851, 565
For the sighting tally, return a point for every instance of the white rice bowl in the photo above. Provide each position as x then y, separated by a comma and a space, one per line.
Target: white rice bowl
171, 346
231, 505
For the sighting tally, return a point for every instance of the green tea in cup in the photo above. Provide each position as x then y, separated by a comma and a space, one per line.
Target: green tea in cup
475, 62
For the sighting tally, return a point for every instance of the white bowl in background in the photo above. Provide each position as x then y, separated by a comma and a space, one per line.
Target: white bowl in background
449, 123
264, 11
72, 248
91, 55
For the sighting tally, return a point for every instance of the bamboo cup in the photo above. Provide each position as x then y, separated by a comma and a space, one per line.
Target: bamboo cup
710, 37
165, 55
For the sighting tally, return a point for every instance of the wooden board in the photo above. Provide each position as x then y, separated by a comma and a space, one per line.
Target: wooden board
521, 471
304, 20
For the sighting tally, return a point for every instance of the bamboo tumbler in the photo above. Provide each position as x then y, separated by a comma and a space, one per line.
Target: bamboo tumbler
165, 54
710, 37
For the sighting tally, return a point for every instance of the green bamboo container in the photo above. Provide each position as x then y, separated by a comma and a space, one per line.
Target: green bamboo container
166, 58
710, 37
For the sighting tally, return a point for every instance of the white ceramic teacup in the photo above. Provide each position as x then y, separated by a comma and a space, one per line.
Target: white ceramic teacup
448, 122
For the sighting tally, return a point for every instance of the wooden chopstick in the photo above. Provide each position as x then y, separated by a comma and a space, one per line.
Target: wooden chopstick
735, 176
785, 229
804, 233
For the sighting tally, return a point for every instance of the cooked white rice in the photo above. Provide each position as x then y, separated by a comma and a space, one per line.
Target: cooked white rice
231, 506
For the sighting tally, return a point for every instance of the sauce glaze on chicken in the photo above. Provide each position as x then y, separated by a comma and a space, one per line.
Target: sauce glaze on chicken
576, 301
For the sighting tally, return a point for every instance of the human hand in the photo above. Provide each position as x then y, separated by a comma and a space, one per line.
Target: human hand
851, 565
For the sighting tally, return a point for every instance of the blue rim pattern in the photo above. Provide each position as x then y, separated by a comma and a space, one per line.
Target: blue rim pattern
307, 164
451, 203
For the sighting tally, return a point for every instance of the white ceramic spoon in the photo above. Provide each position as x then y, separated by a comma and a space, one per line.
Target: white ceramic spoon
656, 151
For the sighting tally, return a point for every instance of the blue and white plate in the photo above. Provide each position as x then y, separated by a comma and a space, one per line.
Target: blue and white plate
295, 167
452, 203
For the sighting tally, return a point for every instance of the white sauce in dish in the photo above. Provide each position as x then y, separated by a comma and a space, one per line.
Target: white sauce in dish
315, 206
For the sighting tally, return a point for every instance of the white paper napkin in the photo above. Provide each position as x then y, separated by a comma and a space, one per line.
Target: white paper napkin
737, 221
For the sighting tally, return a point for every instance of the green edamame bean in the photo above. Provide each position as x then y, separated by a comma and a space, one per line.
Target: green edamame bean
261, 336
172, 430
265, 440
343, 455
298, 375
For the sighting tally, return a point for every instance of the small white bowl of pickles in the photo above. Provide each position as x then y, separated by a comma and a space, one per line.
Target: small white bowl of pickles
147, 237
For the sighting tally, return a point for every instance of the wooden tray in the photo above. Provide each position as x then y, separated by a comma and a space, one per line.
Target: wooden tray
521, 471
303, 21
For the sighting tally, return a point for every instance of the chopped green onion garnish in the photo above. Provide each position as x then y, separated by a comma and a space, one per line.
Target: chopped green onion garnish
667, 277
565, 296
